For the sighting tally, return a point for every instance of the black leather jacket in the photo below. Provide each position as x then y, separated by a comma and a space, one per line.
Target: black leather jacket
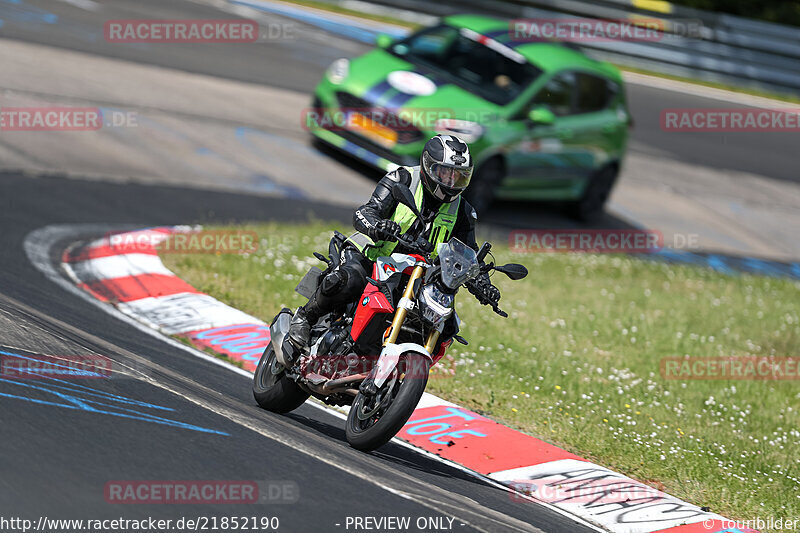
381, 205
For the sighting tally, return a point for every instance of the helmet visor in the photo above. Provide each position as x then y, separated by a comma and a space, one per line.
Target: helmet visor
449, 176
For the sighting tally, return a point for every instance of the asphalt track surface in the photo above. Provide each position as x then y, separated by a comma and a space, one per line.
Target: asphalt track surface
56, 460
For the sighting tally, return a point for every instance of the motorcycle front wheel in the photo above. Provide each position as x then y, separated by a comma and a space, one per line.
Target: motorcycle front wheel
374, 420
272, 389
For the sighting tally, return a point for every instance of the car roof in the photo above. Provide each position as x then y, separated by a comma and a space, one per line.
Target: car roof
548, 56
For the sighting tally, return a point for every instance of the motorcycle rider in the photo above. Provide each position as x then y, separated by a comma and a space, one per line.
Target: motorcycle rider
444, 172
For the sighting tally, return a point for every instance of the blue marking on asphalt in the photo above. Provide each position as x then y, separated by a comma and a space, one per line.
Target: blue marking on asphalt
728, 264
15, 11
55, 368
338, 25
82, 398
718, 263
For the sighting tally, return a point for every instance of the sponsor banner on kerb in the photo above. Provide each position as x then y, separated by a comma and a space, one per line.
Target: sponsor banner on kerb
184, 312
603, 496
474, 441
240, 342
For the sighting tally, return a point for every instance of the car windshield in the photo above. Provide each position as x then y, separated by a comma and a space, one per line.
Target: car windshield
492, 71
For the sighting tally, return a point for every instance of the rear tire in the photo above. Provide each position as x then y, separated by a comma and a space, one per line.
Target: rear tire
488, 176
594, 198
406, 397
272, 390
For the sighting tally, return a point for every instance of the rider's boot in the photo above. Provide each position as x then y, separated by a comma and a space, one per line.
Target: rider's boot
307, 315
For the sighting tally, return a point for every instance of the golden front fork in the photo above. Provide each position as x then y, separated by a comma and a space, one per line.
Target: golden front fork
400, 314
433, 336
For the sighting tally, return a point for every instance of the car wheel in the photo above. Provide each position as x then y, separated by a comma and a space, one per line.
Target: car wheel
488, 176
590, 206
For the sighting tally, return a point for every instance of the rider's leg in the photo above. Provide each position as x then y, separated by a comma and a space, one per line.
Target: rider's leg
339, 287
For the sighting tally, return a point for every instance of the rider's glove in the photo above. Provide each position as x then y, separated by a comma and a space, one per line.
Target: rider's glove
484, 291
385, 230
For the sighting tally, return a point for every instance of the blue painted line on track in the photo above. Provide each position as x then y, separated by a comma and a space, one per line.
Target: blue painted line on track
730, 265
82, 398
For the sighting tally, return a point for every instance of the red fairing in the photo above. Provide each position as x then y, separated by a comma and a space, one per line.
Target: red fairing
418, 259
372, 302
443, 348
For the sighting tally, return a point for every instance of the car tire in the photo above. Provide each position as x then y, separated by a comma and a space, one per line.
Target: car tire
480, 192
594, 197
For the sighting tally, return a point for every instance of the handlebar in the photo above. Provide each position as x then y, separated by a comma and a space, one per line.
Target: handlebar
420, 246
427, 248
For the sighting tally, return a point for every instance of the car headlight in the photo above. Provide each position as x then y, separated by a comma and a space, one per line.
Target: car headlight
338, 71
466, 130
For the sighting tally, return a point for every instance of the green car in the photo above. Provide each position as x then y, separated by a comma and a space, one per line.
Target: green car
543, 121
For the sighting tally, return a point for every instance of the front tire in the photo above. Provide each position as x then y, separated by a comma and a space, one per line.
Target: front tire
370, 424
272, 389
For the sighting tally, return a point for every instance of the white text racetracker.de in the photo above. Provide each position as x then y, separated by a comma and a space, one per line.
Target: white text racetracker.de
398, 523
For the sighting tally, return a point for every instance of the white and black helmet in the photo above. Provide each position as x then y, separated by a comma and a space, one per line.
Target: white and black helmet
446, 167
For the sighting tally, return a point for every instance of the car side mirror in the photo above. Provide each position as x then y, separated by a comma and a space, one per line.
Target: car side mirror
541, 116
403, 195
383, 40
513, 270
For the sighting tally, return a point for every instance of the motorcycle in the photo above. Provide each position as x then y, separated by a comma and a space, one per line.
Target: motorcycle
375, 354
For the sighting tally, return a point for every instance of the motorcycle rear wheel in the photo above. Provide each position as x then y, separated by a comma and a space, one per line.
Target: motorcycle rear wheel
386, 420
272, 389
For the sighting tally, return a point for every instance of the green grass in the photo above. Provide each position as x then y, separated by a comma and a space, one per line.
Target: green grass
577, 362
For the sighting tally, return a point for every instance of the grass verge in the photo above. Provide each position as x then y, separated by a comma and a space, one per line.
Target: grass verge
577, 362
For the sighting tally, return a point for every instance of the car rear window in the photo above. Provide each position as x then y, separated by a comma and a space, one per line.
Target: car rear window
497, 75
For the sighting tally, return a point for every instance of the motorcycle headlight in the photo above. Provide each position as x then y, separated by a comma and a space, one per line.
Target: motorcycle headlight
437, 304
338, 71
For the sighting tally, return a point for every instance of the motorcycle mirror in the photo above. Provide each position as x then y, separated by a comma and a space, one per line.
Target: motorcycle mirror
513, 270
403, 195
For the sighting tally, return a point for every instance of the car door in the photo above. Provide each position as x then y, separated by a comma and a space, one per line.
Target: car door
542, 156
599, 124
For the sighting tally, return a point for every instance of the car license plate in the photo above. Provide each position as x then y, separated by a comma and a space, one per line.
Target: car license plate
374, 131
